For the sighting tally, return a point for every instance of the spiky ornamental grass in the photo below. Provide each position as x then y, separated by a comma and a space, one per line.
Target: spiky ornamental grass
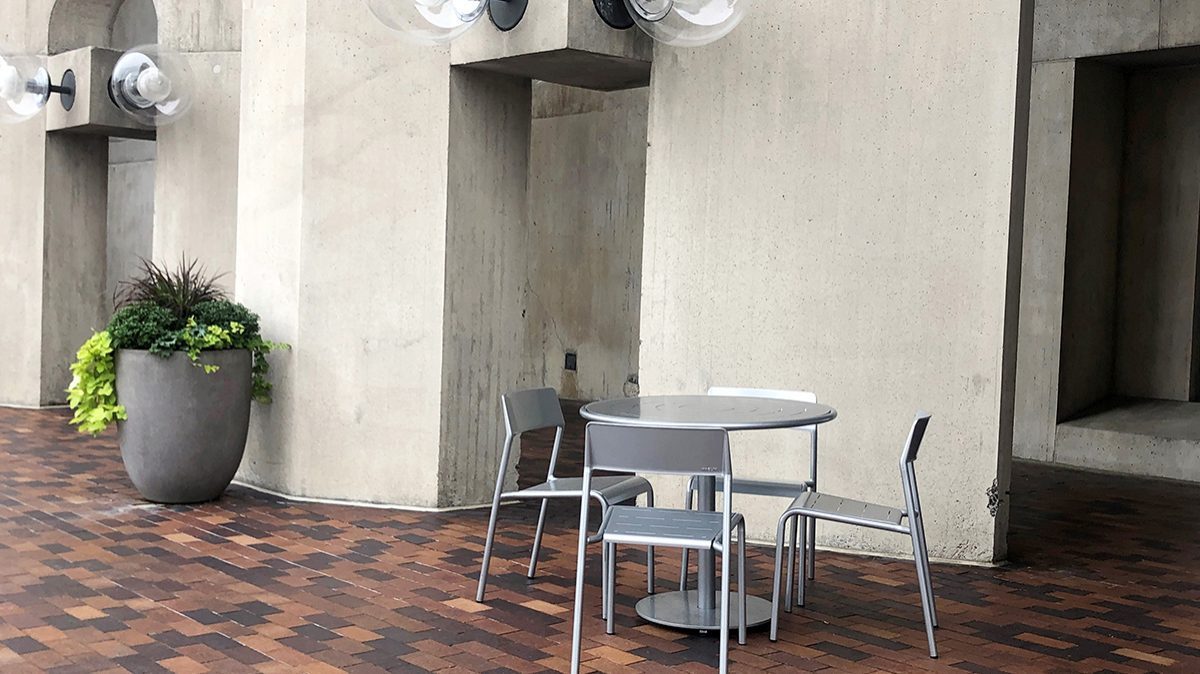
178, 291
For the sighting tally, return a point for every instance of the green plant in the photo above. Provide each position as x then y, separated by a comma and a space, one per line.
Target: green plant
142, 325
163, 312
93, 391
179, 291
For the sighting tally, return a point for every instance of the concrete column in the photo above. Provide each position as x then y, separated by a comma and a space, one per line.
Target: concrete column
197, 171
488, 254
342, 240
876, 270
1044, 259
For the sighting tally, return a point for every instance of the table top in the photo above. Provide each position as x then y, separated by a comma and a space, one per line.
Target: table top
733, 413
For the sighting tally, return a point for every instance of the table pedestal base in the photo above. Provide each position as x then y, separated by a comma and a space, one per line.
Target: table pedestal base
681, 610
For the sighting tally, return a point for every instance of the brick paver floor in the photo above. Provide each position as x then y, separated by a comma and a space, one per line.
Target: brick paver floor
1105, 578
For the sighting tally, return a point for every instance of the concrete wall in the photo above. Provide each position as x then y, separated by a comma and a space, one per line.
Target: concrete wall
487, 288
196, 208
586, 202
341, 247
1156, 307
131, 165
1089, 319
847, 234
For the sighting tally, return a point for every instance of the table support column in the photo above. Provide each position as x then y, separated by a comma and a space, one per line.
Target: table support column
706, 574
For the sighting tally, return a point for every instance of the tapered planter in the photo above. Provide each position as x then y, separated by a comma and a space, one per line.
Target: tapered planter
186, 431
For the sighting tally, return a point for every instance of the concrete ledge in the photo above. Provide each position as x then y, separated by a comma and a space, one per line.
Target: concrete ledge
1157, 438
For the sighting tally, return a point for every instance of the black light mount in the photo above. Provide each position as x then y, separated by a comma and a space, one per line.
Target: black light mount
506, 14
614, 13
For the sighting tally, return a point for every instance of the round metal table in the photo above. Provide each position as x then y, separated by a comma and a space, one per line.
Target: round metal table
699, 609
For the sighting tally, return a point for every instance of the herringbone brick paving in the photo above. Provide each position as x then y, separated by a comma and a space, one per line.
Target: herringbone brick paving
1105, 579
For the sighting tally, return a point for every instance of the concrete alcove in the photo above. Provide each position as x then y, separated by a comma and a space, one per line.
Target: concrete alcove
1109, 353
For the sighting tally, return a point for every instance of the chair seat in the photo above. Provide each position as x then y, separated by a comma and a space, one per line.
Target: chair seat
849, 511
665, 526
610, 488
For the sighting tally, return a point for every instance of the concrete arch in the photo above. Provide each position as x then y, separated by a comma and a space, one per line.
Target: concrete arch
81, 23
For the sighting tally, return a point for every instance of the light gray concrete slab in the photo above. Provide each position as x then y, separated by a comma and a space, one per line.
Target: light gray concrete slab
1078, 28
1158, 438
1180, 23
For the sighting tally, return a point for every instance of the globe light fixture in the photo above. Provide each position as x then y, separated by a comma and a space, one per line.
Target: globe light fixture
436, 22
25, 88
687, 23
152, 85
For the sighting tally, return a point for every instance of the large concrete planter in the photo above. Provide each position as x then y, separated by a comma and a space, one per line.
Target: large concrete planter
186, 431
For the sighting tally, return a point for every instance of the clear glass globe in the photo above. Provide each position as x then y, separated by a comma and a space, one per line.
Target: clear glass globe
152, 85
24, 87
428, 22
687, 23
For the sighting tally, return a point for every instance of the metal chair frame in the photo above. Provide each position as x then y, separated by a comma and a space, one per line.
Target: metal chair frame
664, 451
535, 409
908, 521
771, 487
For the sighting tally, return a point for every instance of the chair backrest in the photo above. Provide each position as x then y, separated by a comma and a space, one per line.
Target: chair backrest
915, 435
652, 449
908, 474
531, 409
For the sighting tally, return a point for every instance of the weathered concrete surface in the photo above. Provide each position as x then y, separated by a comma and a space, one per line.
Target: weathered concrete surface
487, 290
197, 170
876, 271
1159, 438
1043, 258
1156, 312
342, 244
130, 209
1094, 216
1076, 28
74, 249
586, 198
1180, 23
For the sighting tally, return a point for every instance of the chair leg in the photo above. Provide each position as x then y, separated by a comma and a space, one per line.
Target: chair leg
812, 549
487, 547
742, 583
920, 531
923, 583
603, 580
611, 587
802, 530
577, 623
683, 566
649, 551
724, 663
778, 576
537, 539
791, 568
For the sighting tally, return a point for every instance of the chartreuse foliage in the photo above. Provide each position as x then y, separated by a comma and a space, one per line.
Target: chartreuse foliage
164, 312
93, 391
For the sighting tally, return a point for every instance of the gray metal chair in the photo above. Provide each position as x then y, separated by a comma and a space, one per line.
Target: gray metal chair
535, 409
782, 489
666, 451
907, 520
